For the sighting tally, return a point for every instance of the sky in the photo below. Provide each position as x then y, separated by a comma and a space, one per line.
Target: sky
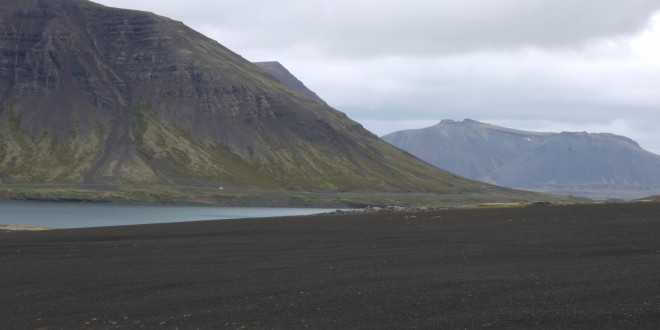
541, 65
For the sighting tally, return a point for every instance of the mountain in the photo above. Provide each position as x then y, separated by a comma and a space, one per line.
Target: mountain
281, 74
468, 148
583, 164
96, 95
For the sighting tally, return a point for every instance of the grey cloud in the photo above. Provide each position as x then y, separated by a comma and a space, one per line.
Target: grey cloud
373, 28
585, 91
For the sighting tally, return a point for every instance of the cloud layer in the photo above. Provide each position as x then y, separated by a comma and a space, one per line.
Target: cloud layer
373, 28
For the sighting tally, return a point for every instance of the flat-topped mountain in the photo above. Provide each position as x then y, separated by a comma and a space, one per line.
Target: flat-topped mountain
594, 165
468, 148
92, 94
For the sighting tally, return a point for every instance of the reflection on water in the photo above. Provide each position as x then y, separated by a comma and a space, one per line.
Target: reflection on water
75, 215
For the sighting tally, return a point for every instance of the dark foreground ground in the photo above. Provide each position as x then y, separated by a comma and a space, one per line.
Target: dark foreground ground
594, 266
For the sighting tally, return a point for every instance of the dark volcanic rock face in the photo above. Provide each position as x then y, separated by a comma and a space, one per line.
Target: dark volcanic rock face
95, 94
593, 165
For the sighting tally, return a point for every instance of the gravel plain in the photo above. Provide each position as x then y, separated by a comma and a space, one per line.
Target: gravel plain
541, 267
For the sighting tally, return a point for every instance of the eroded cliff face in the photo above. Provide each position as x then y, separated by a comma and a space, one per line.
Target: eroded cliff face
101, 95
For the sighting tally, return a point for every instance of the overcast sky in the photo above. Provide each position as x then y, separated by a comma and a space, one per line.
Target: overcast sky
545, 65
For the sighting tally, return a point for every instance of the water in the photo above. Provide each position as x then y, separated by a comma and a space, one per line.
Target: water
78, 215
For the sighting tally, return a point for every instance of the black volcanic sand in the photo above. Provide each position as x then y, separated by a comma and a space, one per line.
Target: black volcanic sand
593, 266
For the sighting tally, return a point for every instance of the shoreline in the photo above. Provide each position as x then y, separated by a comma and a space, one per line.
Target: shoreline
406, 212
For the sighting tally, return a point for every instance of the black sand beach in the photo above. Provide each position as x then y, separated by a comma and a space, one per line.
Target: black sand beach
591, 266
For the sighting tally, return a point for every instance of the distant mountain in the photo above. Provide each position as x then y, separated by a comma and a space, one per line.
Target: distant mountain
97, 95
281, 74
592, 165
469, 148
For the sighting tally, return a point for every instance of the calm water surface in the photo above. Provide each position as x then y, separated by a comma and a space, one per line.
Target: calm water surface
76, 215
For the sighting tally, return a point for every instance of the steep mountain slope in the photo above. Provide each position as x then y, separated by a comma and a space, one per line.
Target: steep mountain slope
281, 74
92, 94
593, 165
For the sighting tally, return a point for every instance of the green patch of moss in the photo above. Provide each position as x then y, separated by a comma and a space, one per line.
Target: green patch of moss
45, 158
